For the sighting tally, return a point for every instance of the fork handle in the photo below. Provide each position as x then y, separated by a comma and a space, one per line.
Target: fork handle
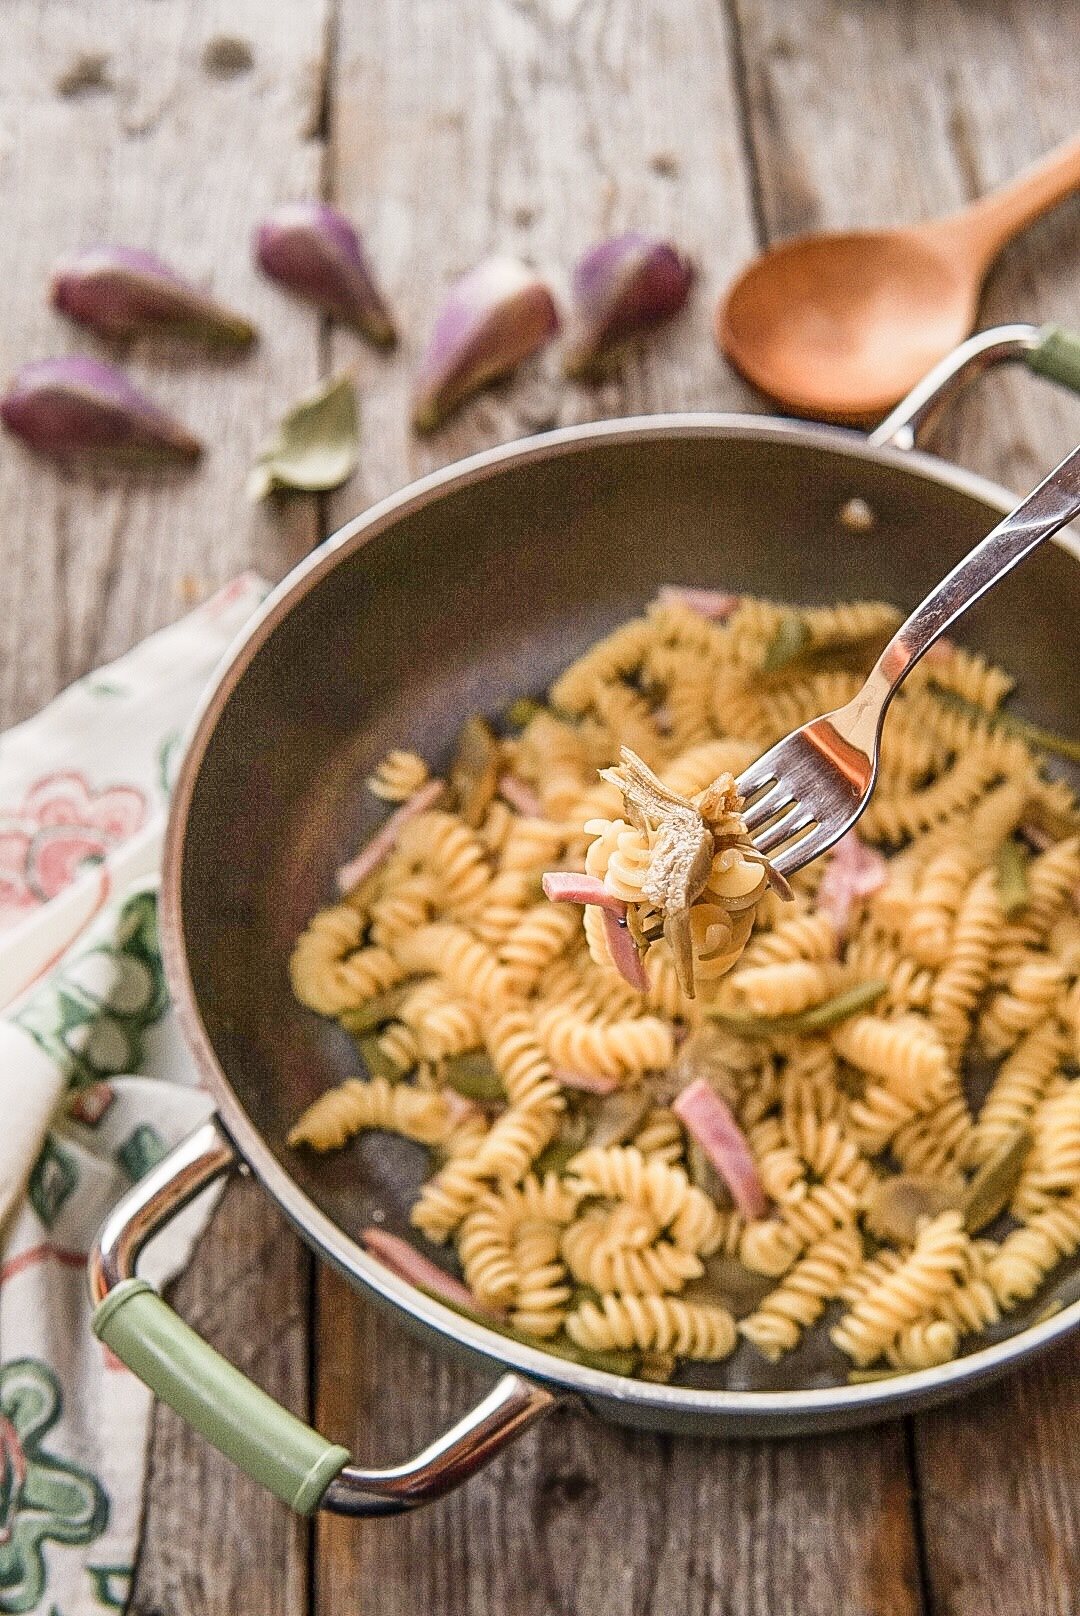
1048, 508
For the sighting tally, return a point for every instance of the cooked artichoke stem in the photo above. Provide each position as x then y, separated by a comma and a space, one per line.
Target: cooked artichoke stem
991, 1189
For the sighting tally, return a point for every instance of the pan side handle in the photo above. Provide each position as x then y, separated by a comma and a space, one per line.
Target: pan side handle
1048, 350
286, 1456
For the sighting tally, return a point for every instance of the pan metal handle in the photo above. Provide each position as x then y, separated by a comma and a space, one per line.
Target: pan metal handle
294, 1462
1048, 350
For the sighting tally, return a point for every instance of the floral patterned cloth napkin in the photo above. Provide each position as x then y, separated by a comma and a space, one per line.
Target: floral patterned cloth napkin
95, 1088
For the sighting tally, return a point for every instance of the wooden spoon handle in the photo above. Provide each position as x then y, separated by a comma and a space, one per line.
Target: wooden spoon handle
988, 224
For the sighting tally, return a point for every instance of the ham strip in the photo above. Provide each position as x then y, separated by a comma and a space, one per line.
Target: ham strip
715, 604
704, 1114
587, 1082
384, 841
567, 886
411, 1265
624, 954
521, 797
855, 871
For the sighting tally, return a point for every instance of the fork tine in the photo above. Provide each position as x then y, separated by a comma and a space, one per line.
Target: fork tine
799, 818
802, 852
780, 798
760, 773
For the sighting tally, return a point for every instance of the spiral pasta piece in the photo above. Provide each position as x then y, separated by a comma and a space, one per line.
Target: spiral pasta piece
540, 936
777, 1324
905, 1054
654, 1324
622, 1048
941, 1253
330, 969
664, 1193
1027, 1256
398, 776
781, 990
1031, 989
354, 1106
926, 1344
441, 1023
465, 964
521, 1062
1021, 1082
598, 1254
443, 847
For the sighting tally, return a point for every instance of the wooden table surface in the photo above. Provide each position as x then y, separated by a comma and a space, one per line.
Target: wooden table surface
449, 128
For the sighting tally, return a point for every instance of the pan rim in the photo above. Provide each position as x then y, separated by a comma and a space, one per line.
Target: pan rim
832, 1406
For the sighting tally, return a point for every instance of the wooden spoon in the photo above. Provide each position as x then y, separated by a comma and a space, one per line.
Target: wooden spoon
842, 326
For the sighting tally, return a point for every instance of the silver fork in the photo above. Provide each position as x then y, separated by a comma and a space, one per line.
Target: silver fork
811, 787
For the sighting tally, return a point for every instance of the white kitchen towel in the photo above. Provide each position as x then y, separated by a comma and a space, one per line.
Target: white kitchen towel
95, 1087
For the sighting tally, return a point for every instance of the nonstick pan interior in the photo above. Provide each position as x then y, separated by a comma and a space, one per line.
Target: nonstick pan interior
482, 592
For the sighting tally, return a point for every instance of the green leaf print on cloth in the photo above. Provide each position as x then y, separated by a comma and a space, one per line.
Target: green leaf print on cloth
42, 1497
91, 1015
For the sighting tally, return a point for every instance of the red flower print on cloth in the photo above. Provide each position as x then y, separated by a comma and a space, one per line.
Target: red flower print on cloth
58, 826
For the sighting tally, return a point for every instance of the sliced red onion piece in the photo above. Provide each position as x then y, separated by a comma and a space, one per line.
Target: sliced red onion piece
384, 841
492, 320
124, 292
624, 954
411, 1265
1039, 838
79, 408
314, 251
569, 886
622, 288
855, 871
704, 1114
587, 1082
521, 796
715, 604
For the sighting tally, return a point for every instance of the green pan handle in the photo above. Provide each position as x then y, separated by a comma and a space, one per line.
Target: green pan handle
291, 1460
264, 1439
1056, 355
1048, 350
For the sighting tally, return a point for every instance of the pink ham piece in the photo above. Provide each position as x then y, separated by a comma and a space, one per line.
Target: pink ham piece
587, 1082
624, 954
704, 1114
715, 604
564, 886
567, 886
384, 841
855, 871
411, 1265
521, 797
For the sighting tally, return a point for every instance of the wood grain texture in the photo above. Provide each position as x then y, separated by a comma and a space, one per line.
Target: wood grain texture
213, 1541
533, 127
537, 127
161, 154
1000, 1480
582, 1519
875, 114
449, 131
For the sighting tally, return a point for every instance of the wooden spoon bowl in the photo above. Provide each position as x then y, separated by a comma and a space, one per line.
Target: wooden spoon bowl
841, 326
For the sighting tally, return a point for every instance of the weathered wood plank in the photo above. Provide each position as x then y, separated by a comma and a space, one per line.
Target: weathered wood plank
862, 115
213, 1541
532, 127
166, 154
582, 1517
538, 127
162, 151
1000, 1479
